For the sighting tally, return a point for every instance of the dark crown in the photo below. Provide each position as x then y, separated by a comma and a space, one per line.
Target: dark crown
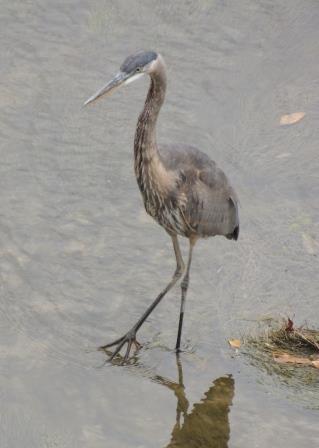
136, 60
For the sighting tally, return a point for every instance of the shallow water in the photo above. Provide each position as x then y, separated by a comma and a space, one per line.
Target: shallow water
80, 260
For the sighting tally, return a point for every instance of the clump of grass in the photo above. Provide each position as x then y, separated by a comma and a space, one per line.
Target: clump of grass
286, 345
286, 355
301, 341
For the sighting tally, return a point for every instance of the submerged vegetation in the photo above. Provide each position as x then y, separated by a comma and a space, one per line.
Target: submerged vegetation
287, 356
285, 353
288, 345
301, 340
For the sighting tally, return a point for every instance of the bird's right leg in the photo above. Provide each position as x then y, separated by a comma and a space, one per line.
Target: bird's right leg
130, 337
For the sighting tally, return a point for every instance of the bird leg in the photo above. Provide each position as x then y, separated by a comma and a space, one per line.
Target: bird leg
184, 287
130, 337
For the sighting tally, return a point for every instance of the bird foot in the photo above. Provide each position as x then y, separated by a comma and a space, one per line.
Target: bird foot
129, 338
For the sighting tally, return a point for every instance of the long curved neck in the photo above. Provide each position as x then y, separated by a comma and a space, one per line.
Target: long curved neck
145, 147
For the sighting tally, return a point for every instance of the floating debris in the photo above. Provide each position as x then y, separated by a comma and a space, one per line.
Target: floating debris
291, 118
299, 340
286, 358
234, 343
290, 345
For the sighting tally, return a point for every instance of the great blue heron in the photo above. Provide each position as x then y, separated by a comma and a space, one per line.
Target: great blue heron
182, 188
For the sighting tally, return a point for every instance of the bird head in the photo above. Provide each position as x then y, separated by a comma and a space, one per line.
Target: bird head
133, 68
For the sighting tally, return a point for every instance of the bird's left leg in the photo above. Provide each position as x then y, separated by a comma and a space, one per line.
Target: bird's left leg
184, 287
130, 337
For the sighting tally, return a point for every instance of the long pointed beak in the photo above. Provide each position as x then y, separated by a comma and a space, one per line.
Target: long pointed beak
116, 82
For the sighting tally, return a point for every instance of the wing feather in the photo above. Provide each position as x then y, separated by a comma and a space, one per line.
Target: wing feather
209, 203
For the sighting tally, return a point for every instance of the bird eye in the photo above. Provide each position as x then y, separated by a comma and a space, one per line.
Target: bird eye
138, 69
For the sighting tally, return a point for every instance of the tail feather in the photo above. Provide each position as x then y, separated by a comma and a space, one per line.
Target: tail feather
234, 235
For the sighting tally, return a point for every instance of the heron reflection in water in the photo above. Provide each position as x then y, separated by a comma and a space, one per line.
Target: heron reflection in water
207, 424
182, 188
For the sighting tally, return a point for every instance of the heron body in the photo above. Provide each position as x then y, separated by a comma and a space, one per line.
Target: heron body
182, 188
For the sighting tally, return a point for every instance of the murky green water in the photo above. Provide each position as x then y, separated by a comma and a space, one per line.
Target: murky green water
80, 261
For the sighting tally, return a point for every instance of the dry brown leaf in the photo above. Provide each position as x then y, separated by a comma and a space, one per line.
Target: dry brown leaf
291, 118
316, 363
286, 358
289, 325
234, 343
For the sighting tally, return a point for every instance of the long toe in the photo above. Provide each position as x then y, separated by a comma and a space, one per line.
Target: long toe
129, 339
117, 341
117, 350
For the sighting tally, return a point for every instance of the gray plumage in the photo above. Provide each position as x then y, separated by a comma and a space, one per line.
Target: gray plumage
210, 206
182, 188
